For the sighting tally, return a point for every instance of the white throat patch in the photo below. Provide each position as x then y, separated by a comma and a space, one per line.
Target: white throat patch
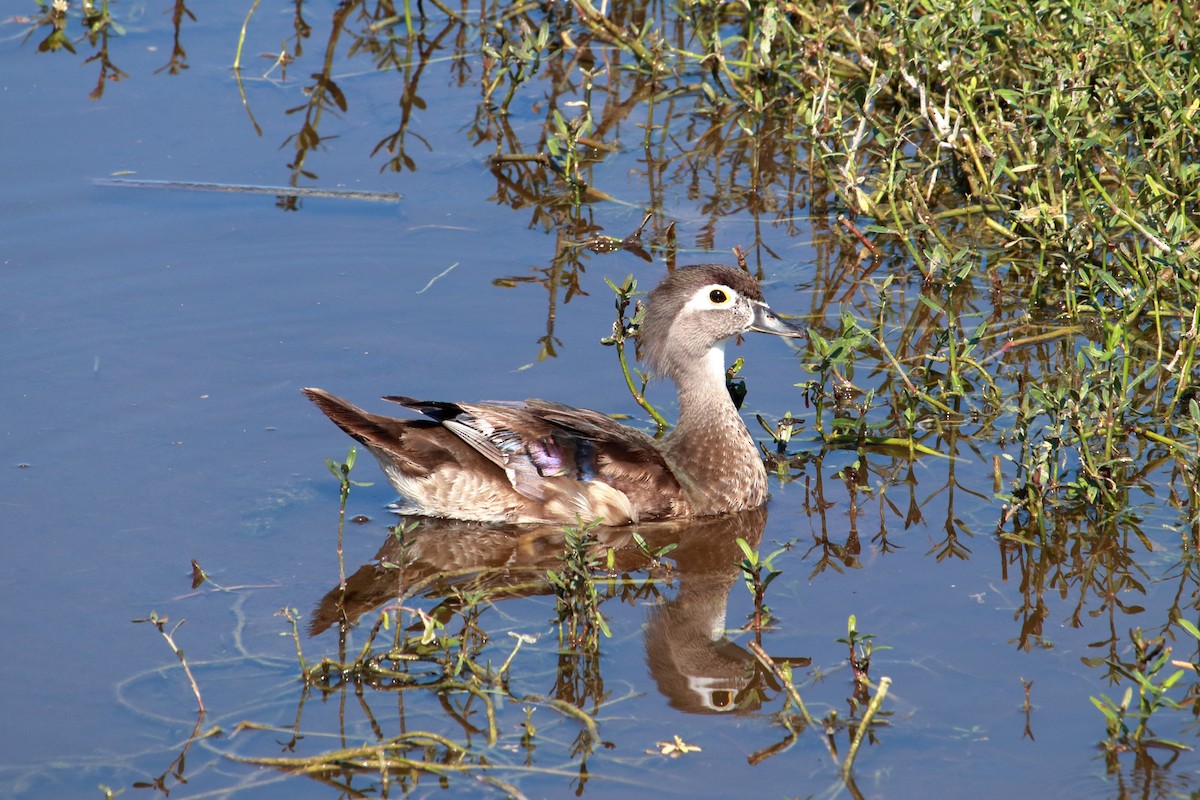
714, 362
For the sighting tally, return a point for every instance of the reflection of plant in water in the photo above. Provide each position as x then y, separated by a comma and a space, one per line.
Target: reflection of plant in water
758, 573
54, 18
324, 94
98, 24
420, 694
178, 61
1080, 555
578, 681
795, 718
176, 771
441, 653
425, 655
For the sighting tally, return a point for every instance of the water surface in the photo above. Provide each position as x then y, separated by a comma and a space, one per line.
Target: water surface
153, 344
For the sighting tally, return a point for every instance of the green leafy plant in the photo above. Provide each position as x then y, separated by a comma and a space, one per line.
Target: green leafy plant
1127, 722
759, 572
341, 471
861, 646
520, 57
625, 330
580, 622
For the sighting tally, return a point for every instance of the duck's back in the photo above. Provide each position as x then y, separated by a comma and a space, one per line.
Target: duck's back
535, 461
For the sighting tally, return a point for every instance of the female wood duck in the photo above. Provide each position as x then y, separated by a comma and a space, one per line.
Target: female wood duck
540, 461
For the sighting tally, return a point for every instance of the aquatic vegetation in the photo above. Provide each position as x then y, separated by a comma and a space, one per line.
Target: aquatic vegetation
580, 622
759, 571
341, 471
1128, 723
441, 658
160, 624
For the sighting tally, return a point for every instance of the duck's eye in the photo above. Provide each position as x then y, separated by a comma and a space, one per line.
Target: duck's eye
718, 296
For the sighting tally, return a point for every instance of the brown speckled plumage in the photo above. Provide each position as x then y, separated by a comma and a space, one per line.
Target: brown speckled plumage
539, 461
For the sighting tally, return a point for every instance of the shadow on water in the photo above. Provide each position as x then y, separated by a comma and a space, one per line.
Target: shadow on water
995, 470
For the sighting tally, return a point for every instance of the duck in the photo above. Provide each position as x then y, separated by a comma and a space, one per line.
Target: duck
541, 462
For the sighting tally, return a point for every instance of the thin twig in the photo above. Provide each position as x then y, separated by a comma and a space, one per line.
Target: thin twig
250, 188
863, 240
783, 678
864, 724
568, 710
237, 59
595, 19
161, 623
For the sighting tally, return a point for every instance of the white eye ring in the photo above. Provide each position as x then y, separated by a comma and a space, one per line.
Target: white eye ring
712, 297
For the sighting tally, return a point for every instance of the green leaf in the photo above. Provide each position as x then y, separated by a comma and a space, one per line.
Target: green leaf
751, 555
1106, 708
1187, 626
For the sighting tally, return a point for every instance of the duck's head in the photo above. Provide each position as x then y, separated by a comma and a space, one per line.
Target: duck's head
694, 310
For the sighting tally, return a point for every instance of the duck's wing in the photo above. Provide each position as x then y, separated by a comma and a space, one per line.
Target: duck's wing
436, 472
574, 461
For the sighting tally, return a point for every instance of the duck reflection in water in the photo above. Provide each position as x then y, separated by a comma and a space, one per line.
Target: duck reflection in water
692, 660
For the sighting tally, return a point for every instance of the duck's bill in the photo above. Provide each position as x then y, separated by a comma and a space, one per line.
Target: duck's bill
765, 321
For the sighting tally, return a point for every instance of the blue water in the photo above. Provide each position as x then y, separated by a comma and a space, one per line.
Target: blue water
153, 344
